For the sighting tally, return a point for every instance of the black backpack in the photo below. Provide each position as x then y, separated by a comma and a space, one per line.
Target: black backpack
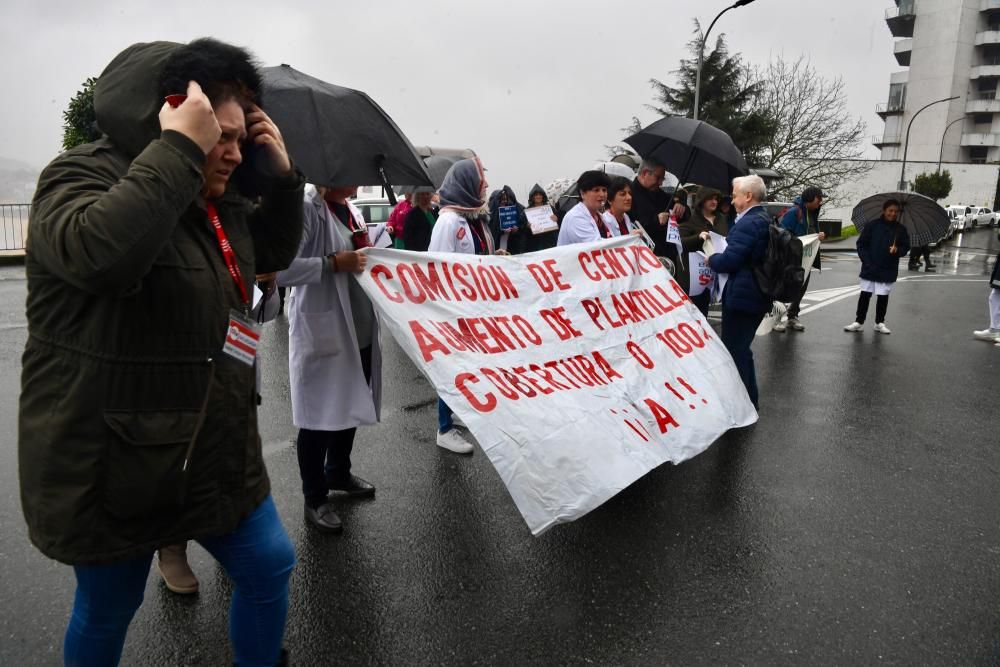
780, 276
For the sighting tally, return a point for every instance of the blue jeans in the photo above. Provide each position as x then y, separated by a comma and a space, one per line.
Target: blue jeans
738, 330
258, 556
445, 422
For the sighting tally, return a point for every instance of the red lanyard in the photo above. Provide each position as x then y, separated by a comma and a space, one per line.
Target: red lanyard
227, 252
602, 229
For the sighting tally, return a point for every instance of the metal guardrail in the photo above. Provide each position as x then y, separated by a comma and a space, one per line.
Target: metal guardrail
14, 226
879, 140
883, 107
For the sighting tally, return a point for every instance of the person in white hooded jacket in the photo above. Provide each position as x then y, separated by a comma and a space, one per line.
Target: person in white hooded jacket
460, 228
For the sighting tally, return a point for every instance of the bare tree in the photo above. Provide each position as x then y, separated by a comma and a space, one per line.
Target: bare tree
816, 141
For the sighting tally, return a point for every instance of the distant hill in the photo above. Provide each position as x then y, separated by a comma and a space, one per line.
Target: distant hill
17, 181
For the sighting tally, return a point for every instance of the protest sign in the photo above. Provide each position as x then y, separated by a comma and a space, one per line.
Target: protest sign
540, 219
578, 369
379, 235
508, 218
702, 275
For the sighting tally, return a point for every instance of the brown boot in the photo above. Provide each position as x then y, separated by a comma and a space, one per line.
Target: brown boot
173, 566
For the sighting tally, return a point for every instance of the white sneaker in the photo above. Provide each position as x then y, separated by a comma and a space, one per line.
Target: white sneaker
780, 326
457, 421
881, 328
854, 326
795, 324
990, 335
453, 441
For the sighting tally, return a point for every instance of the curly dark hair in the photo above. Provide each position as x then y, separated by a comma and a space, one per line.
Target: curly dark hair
224, 72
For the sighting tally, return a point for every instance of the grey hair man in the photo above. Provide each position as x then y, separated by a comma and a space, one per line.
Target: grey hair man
652, 207
743, 304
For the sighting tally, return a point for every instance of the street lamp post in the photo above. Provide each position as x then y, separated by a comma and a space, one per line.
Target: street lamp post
906, 144
701, 53
947, 127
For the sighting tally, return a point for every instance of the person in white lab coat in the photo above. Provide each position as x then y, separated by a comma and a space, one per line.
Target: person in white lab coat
583, 223
334, 358
460, 228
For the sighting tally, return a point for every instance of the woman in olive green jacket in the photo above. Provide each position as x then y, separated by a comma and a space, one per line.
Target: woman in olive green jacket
705, 217
138, 424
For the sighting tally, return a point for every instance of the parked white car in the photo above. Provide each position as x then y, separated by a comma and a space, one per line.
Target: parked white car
982, 216
959, 214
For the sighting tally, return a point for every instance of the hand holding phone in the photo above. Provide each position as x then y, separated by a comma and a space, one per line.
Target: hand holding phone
193, 117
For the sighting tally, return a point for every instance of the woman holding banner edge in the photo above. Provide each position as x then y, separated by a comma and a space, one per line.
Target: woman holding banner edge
460, 229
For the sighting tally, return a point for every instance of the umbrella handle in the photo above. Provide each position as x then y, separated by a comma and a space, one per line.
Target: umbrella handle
385, 180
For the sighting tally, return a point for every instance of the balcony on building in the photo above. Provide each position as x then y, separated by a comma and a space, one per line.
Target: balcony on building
885, 140
983, 102
885, 109
901, 18
989, 6
903, 48
980, 139
987, 37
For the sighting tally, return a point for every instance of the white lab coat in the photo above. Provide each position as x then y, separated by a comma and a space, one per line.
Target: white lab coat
452, 233
612, 224
578, 227
329, 392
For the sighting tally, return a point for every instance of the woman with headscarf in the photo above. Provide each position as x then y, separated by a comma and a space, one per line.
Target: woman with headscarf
419, 222
583, 223
460, 228
694, 231
545, 240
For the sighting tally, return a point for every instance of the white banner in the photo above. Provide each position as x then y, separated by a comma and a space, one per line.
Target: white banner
810, 248
578, 369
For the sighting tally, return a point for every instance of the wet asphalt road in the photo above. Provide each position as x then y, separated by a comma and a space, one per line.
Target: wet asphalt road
856, 523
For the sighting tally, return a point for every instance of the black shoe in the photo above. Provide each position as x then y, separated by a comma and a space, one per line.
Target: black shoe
929, 269
912, 267
355, 488
324, 518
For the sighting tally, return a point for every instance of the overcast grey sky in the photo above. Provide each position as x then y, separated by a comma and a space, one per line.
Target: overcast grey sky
537, 88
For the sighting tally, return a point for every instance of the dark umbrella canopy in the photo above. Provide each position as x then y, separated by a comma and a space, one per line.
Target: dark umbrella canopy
437, 166
692, 150
339, 136
925, 221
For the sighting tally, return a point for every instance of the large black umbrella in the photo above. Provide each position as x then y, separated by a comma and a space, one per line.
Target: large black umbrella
339, 136
692, 150
925, 221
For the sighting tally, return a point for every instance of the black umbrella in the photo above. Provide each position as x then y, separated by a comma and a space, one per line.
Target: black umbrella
339, 136
925, 221
692, 150
437, 166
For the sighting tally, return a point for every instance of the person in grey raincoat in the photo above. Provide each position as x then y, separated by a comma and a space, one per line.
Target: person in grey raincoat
334, 357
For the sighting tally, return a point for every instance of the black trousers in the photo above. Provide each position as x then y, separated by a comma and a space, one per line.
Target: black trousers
881, 305
325, 456
793, 309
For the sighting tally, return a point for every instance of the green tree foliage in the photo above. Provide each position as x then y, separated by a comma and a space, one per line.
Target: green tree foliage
729, 90
79, 121
935, 184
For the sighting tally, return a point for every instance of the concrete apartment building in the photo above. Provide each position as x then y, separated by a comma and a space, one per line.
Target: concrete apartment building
950, 48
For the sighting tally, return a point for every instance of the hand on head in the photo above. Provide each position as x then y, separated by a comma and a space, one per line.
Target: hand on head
194, 118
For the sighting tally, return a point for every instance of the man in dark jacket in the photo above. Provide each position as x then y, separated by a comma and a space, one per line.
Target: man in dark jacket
743, 304
802, 219
138, 420
652, 207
